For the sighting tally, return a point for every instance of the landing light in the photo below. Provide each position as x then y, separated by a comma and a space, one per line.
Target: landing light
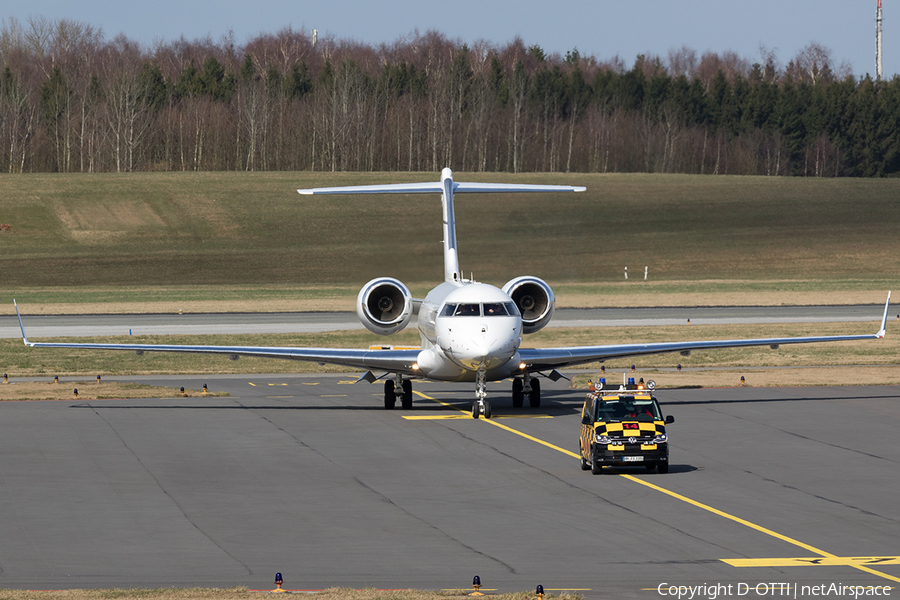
415, 367
522, 366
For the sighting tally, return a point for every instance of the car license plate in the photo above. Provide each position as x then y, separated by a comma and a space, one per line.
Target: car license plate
633, 458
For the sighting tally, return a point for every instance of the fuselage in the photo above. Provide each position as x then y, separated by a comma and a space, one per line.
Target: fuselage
468, 327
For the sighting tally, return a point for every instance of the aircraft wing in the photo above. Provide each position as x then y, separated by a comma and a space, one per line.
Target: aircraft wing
544, 359
396, 361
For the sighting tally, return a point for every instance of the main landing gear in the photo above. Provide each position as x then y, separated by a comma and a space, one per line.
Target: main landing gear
527, 385
398, 387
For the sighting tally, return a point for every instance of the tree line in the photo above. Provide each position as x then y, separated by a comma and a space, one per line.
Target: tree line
72, 101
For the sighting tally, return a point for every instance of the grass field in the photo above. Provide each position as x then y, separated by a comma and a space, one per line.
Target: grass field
253, 231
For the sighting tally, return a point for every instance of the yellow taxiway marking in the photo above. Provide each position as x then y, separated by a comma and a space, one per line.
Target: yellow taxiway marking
813, 561
334, 395
468, 416
706, 507
251, 383
274, 384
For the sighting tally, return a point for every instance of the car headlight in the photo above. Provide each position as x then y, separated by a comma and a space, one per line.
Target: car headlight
602, 439
661, 439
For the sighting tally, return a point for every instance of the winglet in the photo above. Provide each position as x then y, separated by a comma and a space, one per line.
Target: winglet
22, 327
887, 305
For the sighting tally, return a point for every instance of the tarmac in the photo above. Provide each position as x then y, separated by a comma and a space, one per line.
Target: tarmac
309, 476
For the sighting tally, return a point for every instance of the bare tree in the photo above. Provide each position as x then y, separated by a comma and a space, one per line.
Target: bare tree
682, 61
127, 101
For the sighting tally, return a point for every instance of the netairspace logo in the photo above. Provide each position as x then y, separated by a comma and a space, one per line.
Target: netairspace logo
771, 590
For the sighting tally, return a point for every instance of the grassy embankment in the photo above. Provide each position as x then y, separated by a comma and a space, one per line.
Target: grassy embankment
202, 242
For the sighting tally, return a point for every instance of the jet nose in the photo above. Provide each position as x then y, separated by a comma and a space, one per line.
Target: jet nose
479, 356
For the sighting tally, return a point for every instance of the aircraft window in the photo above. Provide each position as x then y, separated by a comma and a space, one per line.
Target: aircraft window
494, 309
468, 310
449, 310
511, 308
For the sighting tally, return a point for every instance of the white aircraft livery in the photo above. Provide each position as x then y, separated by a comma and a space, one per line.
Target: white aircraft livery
470, 331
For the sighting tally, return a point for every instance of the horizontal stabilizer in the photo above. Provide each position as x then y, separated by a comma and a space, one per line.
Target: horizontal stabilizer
466, 187
431, 187
436, 188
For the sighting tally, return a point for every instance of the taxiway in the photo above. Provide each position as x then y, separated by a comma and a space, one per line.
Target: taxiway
309, 476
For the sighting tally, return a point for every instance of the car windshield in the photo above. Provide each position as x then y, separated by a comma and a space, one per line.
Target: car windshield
628, 410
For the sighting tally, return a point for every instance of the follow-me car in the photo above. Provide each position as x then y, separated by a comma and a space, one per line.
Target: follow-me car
470, 331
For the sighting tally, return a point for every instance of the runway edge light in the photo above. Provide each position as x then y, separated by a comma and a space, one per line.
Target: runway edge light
540, 592
476, 583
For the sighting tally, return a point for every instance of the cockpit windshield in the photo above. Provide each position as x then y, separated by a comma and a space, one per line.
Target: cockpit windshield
468, 310
487, 309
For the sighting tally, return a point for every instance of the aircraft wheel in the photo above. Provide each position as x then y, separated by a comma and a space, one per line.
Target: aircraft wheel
407, 395
534, 398
487, 410
390, 397
517, 394
475, 411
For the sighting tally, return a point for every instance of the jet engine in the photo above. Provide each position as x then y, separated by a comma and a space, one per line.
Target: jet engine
535, 301
384, 305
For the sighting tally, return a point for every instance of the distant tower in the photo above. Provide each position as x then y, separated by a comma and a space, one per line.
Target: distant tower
878, 43
315, 32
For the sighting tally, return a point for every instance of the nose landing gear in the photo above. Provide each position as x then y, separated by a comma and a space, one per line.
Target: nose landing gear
481, 406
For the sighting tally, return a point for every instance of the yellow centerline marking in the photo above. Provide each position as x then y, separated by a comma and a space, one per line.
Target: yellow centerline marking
468, 416
706, 507
813, 561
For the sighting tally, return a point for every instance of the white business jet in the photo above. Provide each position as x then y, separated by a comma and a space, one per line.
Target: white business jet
470, 331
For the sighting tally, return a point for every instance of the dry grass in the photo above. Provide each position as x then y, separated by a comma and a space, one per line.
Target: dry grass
89, 390
244, 594
754, 377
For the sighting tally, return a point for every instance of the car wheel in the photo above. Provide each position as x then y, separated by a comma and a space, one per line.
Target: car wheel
585, 464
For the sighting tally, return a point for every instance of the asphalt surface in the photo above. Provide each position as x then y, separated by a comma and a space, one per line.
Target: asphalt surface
309, 476
38, 326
